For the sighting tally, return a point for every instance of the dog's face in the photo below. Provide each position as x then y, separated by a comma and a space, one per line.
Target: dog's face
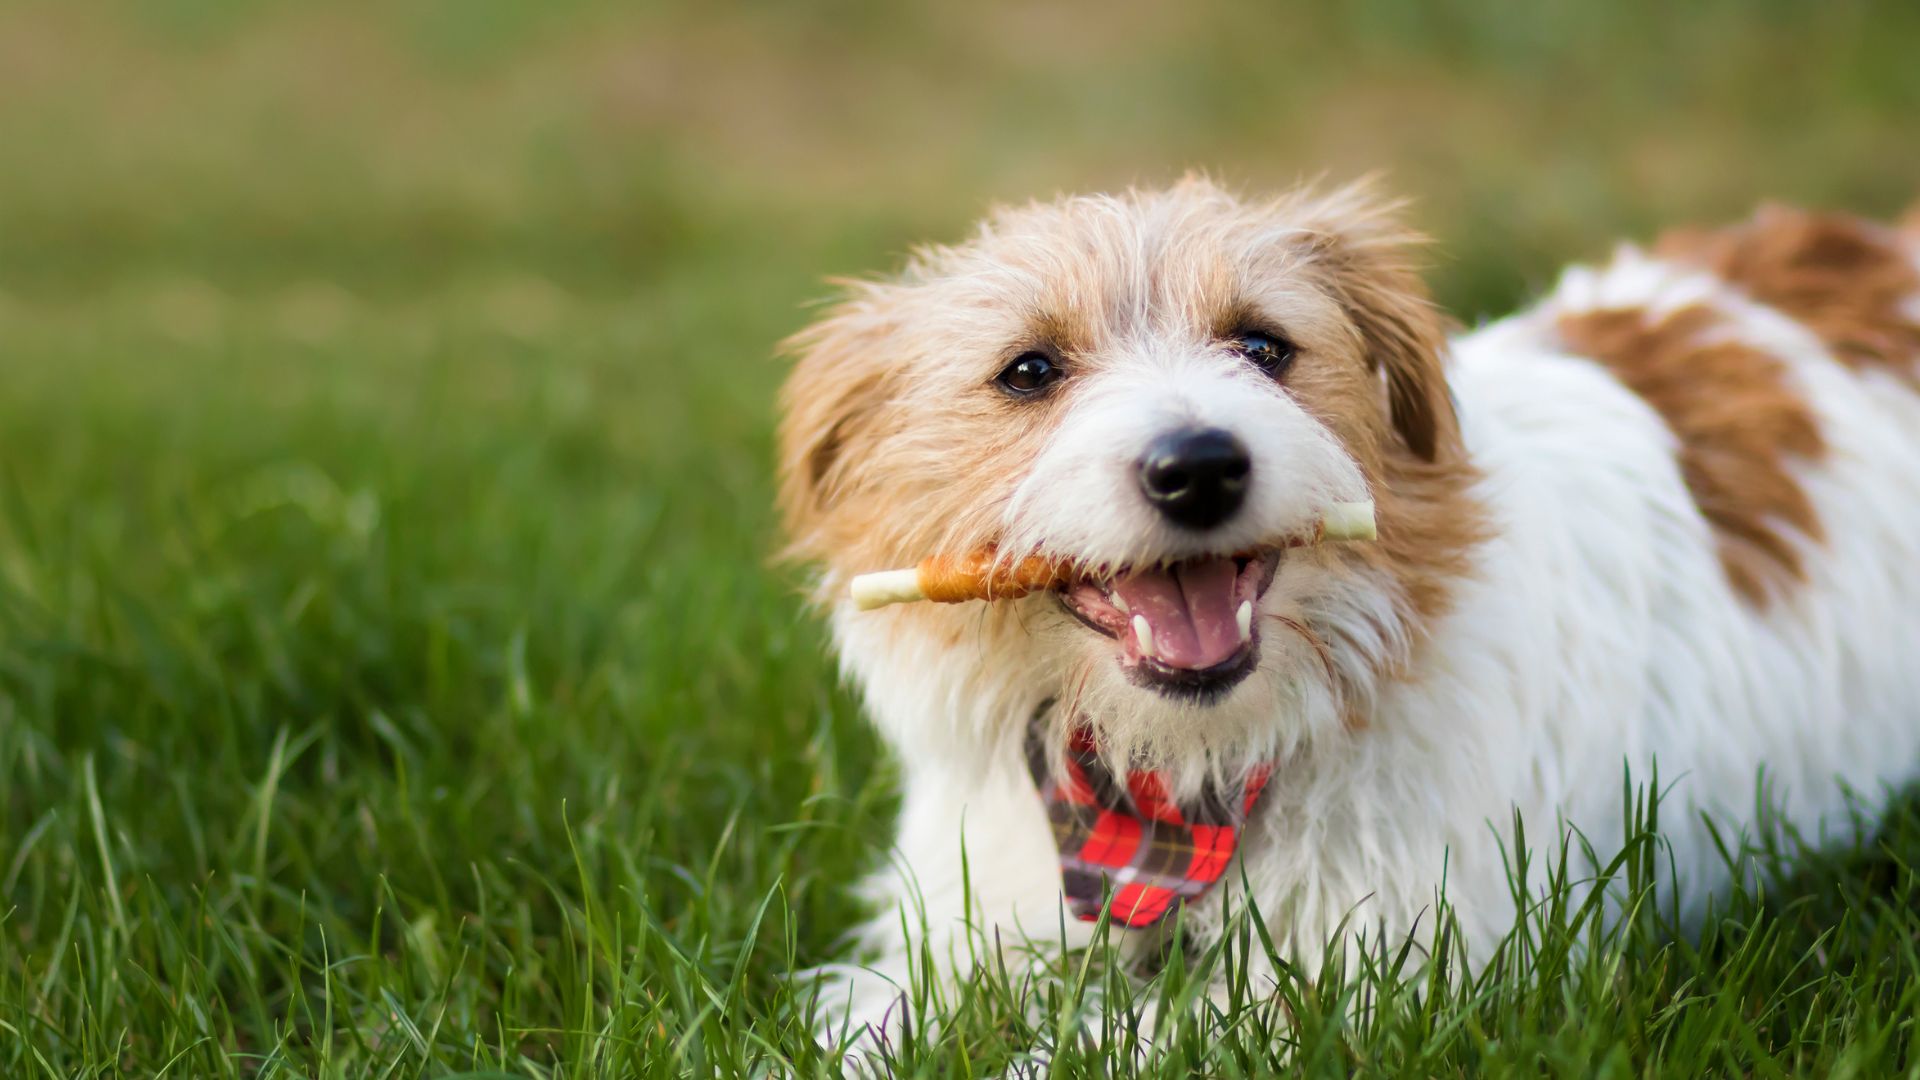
1162, 388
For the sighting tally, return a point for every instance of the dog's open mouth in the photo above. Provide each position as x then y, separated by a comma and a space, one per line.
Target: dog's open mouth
1186, 628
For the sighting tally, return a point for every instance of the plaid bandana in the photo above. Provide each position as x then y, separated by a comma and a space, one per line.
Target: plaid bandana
1156, 854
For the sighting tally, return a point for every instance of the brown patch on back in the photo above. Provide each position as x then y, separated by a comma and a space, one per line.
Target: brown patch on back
1738, 421
1850, 281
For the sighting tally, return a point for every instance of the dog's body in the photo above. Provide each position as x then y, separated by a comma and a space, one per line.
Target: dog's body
1670, 514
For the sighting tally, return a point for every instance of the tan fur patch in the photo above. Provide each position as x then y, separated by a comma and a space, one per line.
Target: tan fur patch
1416, 464
1738, 422
1850, 281
1429, 525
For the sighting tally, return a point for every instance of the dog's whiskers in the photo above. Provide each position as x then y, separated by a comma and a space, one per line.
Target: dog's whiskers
1079, 688
1319, 647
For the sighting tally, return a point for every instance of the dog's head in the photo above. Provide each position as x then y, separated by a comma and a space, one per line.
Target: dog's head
1163, 388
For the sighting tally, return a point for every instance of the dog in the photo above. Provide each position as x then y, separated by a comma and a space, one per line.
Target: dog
1667, 517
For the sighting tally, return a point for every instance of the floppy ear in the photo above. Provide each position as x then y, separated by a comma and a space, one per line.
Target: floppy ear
1367, 257
829, 407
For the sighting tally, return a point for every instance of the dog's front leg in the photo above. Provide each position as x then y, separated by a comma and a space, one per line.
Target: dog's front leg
972, 881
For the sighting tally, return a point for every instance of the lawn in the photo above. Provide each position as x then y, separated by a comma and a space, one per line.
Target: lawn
394, 676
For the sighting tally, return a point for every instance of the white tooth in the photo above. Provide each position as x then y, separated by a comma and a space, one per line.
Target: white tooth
1144, 634
1120, 602
1244, 618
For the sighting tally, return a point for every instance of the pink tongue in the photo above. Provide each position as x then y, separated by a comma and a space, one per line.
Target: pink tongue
1190, 610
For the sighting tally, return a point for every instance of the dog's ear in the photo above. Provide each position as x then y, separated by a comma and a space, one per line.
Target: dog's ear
829, 408
1367, 258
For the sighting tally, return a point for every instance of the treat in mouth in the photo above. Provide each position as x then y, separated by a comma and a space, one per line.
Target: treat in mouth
1184, 628
983, 575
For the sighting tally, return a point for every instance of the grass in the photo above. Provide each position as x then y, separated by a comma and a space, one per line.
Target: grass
392, 678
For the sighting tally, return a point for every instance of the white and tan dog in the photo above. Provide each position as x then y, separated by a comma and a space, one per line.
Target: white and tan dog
1671, 513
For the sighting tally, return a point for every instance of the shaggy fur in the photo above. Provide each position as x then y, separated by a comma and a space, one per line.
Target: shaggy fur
1670, 513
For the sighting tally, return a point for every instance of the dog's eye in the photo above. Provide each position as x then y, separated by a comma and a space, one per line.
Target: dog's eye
1267, 352
1029, 374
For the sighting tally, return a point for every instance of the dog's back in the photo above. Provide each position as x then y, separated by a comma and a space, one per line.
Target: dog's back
1704, 464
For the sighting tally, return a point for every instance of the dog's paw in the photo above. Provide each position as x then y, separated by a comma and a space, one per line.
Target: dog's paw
860, 1011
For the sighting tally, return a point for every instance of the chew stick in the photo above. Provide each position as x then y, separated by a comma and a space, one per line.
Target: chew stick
981, 576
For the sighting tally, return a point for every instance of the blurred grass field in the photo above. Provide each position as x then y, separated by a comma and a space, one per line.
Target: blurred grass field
392, 677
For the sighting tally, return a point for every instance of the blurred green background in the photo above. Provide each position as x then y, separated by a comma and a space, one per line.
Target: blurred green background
404, 149
385, 442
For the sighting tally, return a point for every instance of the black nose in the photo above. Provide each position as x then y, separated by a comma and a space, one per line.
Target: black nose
1197, 477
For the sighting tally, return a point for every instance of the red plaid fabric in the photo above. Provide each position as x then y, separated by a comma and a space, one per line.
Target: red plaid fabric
1126, 850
